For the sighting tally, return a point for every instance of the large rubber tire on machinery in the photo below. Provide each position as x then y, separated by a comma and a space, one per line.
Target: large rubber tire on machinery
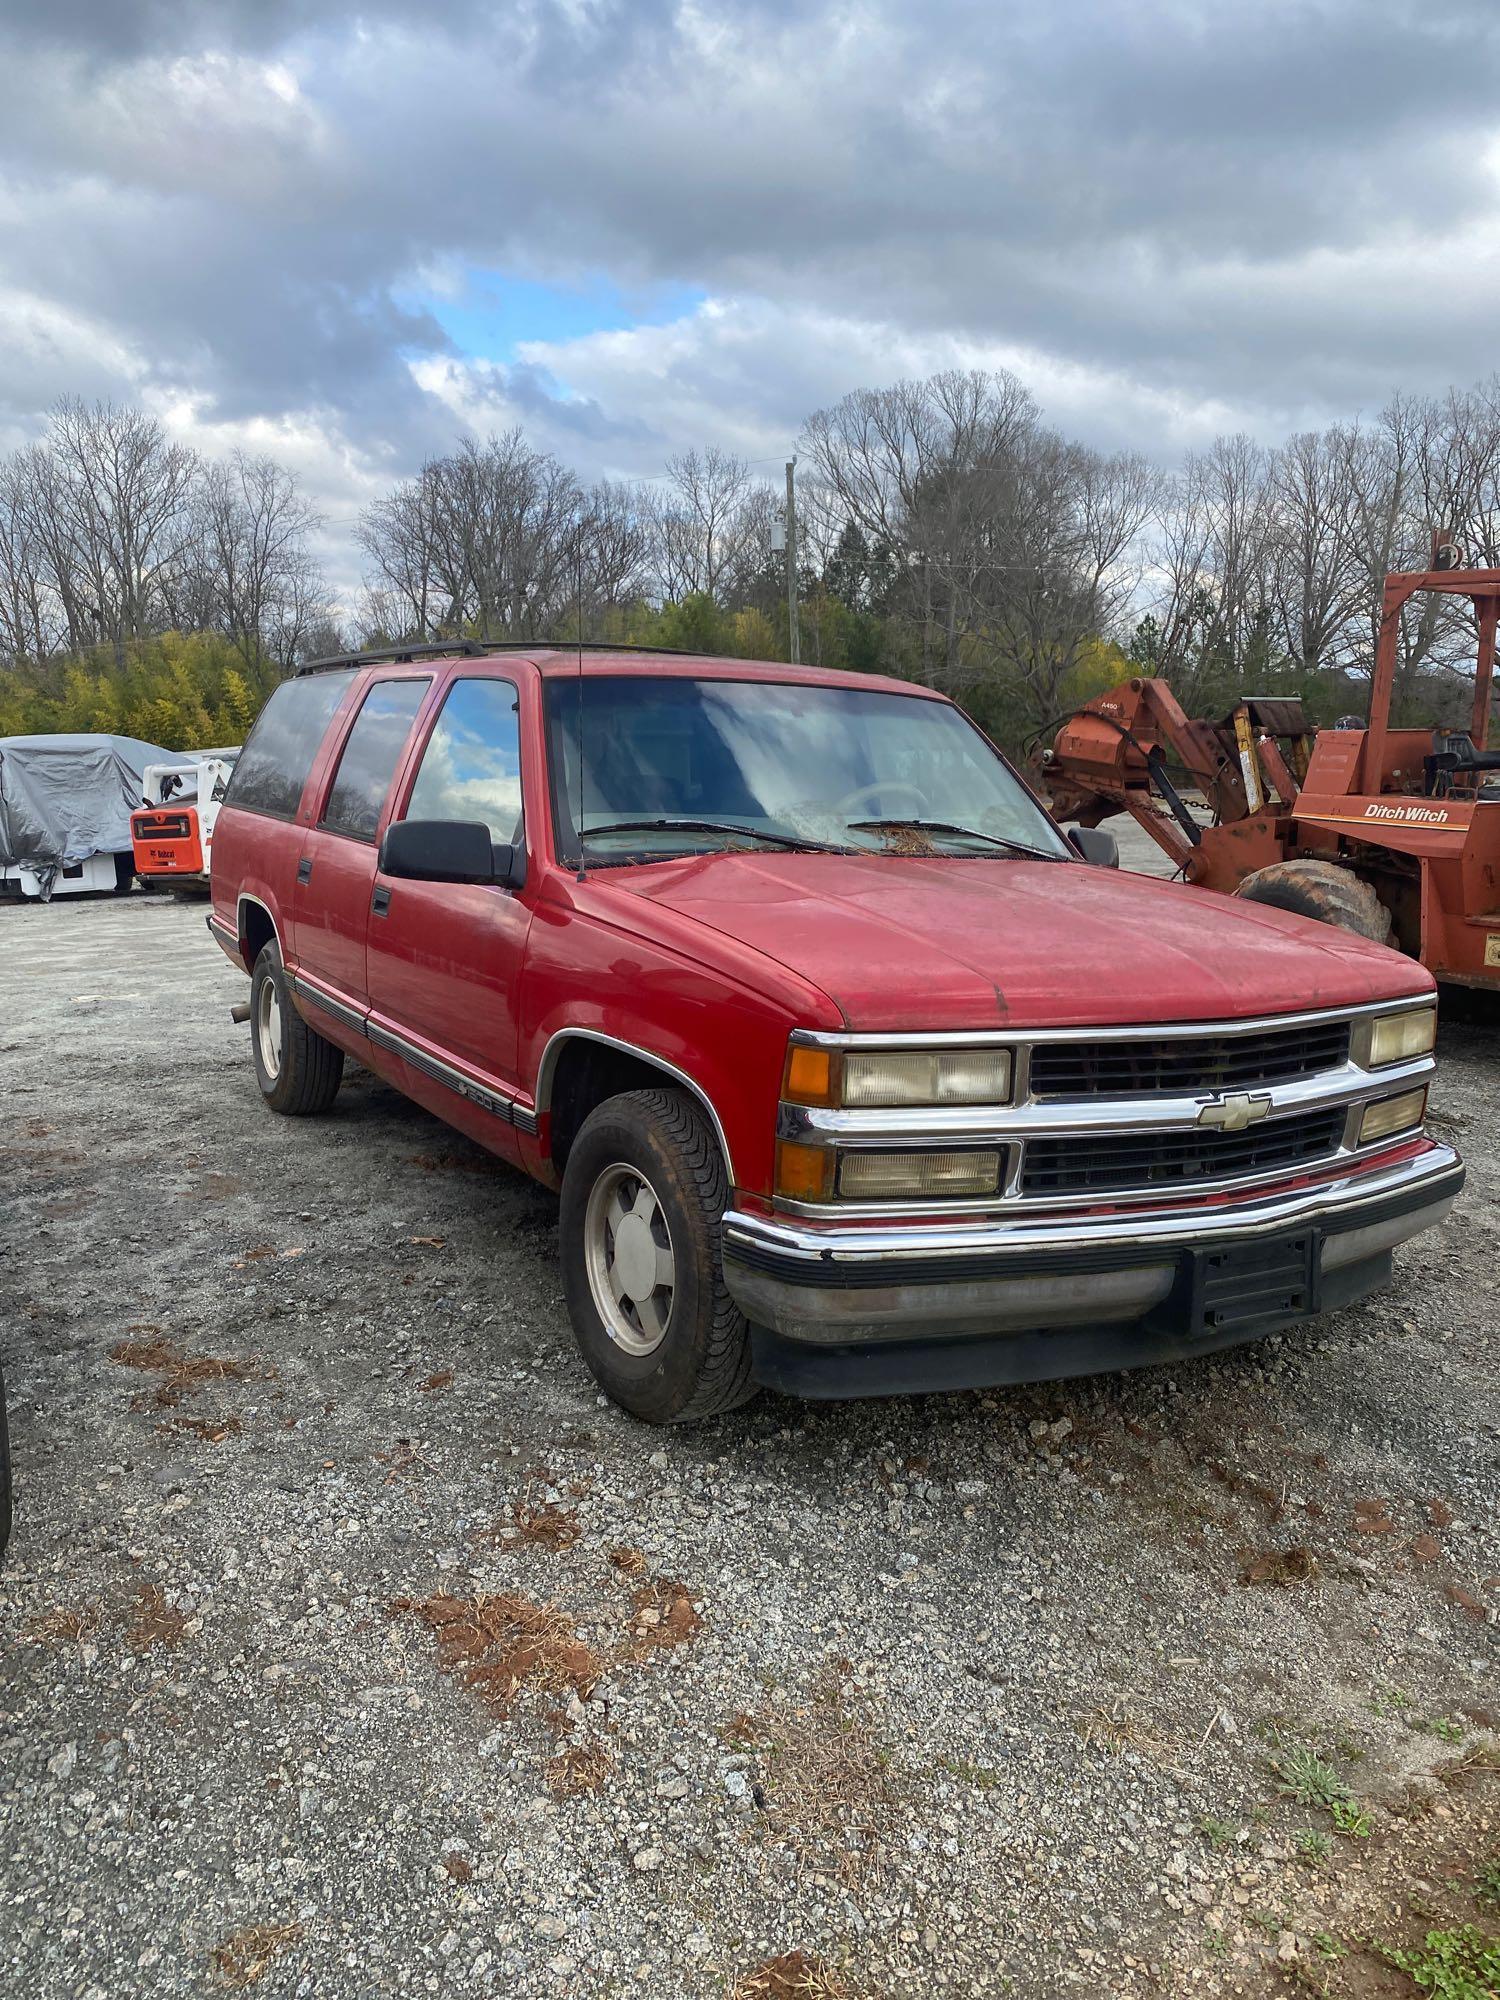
299, 1072
642, 1196
1321, 890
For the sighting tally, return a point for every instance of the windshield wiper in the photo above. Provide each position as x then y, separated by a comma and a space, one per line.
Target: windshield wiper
713, 826
966, 832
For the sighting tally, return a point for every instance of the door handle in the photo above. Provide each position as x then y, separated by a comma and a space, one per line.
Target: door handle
380, 902
304, 869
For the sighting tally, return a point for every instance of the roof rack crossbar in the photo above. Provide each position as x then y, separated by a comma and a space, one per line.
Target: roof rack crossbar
429, 649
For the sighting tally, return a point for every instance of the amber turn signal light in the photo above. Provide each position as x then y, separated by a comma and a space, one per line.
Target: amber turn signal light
803, 1173
809, 1075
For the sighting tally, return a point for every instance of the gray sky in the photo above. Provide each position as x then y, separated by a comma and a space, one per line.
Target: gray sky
345, 234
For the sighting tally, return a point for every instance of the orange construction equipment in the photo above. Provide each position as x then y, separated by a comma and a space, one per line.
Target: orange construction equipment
1391, 832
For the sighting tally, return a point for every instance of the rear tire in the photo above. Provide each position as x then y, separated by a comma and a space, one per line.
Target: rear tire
298, 1070
642, 1198
1323, 891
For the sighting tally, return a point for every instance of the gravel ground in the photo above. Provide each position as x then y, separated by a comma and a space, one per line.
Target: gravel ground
353, 1645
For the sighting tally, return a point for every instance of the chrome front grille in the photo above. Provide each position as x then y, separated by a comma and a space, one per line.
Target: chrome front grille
1130, 1161
1173, 1066
1124, 1116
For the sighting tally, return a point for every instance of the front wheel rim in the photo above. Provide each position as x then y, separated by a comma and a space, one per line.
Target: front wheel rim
268, 1028
627, 1251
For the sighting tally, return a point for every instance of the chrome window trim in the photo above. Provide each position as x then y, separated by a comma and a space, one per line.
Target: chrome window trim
547, 1068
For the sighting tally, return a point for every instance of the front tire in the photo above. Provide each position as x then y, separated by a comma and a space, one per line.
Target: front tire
642, 1197
298, 1070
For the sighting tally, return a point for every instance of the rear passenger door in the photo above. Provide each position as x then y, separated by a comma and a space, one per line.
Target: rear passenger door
336, 871
445, 957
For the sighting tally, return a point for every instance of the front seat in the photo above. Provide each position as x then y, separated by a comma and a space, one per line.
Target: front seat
1453, 751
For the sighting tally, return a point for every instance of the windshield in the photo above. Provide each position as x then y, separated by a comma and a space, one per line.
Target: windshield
777, 766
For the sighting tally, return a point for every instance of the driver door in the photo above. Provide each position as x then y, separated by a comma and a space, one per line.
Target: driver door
444, 958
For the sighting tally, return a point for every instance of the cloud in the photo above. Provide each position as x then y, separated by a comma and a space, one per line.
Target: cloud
1170, 218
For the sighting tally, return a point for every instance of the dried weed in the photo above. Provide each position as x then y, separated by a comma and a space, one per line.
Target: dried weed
830, 1791
246, 1954
795, 1975
64, 1626
157, 1623
578, 1769
499, 1645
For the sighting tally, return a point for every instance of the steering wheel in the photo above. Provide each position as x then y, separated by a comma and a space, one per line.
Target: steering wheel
882, 789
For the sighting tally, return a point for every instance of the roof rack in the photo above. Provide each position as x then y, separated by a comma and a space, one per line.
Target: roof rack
428, 649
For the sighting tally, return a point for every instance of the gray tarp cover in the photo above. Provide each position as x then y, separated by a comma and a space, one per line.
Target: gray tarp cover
63, 798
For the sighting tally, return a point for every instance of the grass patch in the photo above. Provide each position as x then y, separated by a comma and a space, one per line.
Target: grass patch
1310, 1780
1461, 1964
830, 1792
1219, 1834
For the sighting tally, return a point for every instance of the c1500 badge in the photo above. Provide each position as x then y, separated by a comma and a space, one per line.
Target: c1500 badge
1492, 948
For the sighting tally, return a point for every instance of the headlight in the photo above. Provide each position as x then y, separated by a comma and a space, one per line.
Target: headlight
1393, 1038
890, 1176
876, 1079
1389, 1115
814, 1173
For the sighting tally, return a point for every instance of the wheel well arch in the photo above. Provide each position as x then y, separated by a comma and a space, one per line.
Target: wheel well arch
581, 1067
257, 928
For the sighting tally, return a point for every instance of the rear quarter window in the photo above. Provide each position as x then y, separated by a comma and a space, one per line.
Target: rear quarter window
279, 751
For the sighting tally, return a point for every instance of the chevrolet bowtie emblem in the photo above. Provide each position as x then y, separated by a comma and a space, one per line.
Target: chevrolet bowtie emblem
1232, 1113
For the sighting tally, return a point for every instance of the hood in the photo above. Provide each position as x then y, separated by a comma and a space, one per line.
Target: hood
938, 943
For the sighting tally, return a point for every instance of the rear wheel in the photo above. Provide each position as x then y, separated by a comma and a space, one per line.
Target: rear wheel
642, 1198
298, 1070
1321, 890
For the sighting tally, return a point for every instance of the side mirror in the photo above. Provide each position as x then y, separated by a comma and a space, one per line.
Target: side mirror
449, 850
1095, 844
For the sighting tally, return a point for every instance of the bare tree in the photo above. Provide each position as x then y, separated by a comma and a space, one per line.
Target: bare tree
255, 529
705, 524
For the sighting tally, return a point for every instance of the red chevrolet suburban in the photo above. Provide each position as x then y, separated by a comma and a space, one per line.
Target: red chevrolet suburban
855, 1075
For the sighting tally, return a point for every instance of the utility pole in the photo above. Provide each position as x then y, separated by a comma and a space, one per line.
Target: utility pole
795, 638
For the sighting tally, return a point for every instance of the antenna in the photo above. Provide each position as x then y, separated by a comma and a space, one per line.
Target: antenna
582, 875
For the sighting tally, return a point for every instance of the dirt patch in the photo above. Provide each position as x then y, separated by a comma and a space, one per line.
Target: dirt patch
180, 1372
208, 1430
245, 1955
795, 1975
1297, 1564
64, 1626
498, 1645
662, 1615
157, 1623
579, 1768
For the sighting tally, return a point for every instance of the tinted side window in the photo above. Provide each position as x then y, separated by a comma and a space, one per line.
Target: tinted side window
471, 768
279, 751
370, 756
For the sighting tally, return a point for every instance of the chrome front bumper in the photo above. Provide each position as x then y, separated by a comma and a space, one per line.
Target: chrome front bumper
833, 1285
